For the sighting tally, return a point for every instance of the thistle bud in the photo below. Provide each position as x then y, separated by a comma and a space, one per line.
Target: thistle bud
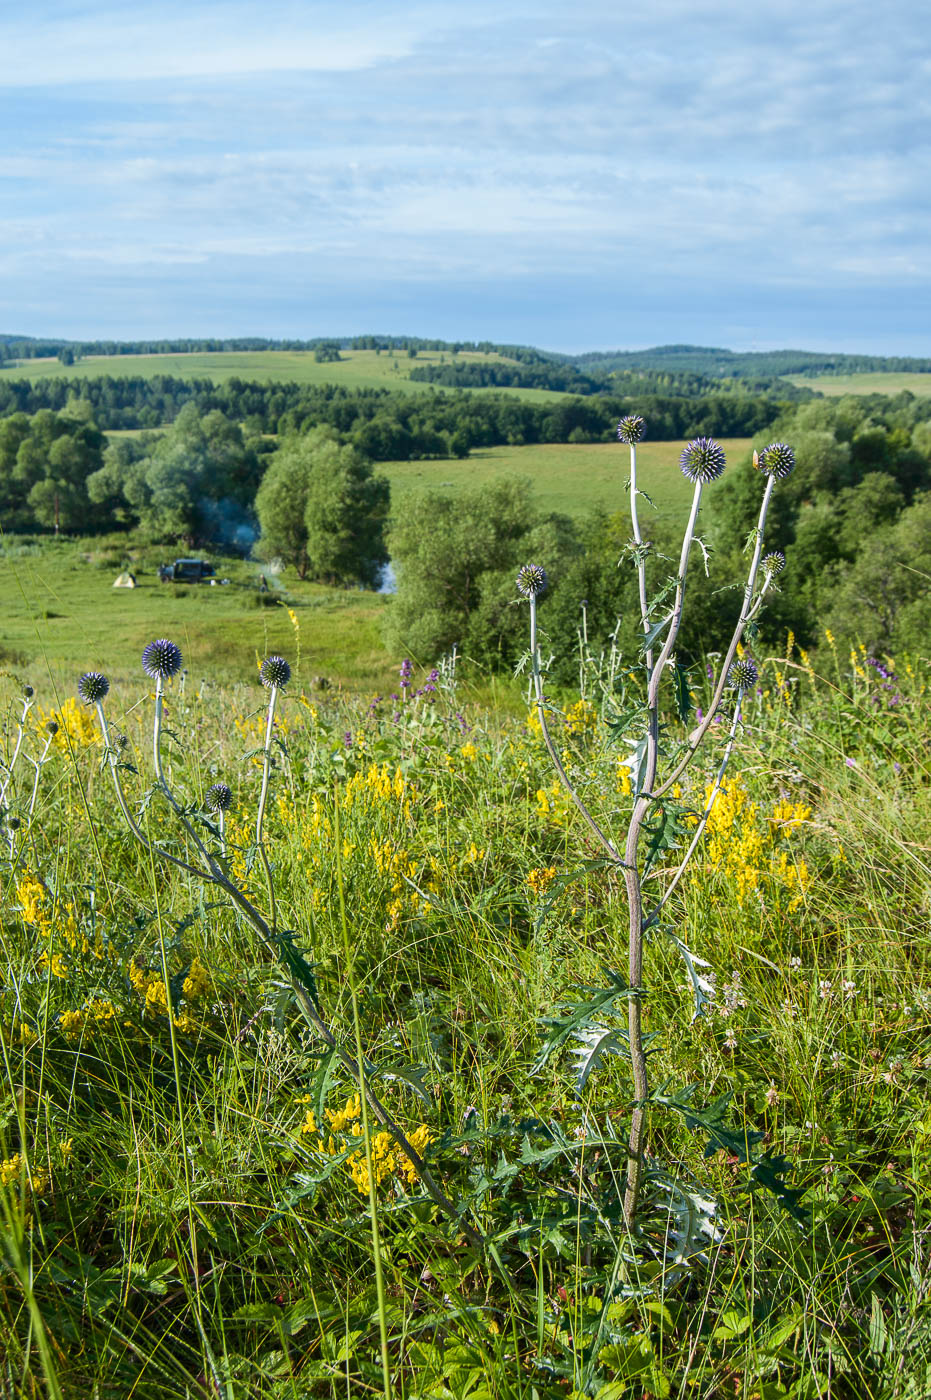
161, 660
774, 563
92, 688
702, 460
743, 674
274, 672
531, 580
219, 798
778, 460
631, 428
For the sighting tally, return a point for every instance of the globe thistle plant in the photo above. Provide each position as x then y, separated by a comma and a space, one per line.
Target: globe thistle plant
774, 563
743, 674
778, 460
531, 580
702, 460
219, 798
161, 660
274, 672
631, 429
93, 687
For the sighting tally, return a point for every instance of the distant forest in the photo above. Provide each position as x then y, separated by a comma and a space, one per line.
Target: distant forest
594, 366
387, 426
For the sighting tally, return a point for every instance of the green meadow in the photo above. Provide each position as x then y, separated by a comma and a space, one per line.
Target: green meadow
356, 369
834, 385
193, 1202
573, 478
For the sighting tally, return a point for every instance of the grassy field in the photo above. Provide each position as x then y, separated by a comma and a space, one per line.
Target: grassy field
835, 385
357, 369
62, 612
192, 1202
573, 478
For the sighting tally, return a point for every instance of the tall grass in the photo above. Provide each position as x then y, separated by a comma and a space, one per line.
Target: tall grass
185, 1207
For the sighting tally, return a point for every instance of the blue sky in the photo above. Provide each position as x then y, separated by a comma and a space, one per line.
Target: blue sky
578, 175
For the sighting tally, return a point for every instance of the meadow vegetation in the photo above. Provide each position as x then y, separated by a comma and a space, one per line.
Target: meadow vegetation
185, 1173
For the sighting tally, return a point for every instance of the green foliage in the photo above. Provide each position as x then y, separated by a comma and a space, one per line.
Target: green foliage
456, 560
322, 511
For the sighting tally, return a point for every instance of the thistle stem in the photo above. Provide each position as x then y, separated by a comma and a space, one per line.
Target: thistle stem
641, 560
747, 612
263, 799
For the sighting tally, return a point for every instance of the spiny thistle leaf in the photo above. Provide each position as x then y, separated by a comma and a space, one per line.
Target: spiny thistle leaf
413, 1076
769, 1172
617, 724
654, 632
293, 959
680, 679
636, 762
575, 1016
702, 987
688, 1225
664, 833
595, 1044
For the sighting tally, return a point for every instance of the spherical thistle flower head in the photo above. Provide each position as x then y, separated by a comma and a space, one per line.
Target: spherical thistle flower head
702, 460
219, 798
631, 428
93, 687
28, 692
161, 660
743, 674
778, 460
531, 580
274, 672
774, 563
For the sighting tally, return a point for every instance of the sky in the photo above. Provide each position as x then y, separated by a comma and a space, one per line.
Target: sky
593, 174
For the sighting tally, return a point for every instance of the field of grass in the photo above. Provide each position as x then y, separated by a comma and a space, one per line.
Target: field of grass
357, 369
192, 1202
61, 610
573, 478
834, 385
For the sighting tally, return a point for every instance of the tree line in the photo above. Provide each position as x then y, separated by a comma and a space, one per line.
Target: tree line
386, 425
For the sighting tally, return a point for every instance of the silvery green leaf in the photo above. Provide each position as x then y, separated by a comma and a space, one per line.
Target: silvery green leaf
595, 1042
702, 987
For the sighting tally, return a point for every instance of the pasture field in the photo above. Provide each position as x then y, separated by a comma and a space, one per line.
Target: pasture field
193, 1203
834, 385
572, 478
357, 369
61, 610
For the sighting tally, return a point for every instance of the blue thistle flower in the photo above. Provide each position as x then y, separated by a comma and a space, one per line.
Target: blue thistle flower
219, 798
743, 674
531, 580
161, 660
274, 672
631, 428
702, 460
774, 563
778, 460
93, 687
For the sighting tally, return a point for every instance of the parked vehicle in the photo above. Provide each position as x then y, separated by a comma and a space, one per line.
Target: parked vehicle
186, 571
